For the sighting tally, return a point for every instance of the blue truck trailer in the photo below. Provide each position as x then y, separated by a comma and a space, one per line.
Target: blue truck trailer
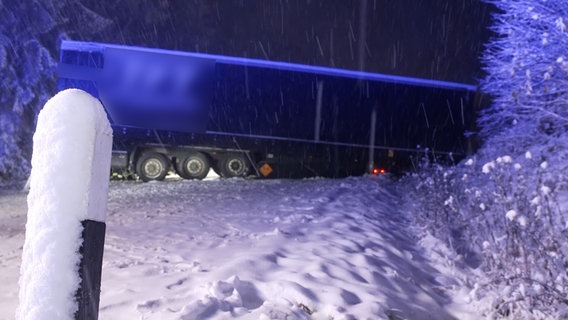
189, 112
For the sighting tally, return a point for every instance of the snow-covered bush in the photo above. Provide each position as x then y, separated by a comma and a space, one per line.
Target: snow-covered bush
506, 206
506, 216
441, 207
527, 73
525, 250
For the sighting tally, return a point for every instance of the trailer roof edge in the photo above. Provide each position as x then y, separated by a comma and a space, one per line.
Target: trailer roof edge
70, 44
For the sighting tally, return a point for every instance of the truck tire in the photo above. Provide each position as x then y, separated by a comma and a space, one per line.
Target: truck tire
233, 165
194, 165
152, 166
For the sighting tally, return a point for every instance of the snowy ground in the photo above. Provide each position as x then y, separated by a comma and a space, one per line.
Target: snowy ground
255, 249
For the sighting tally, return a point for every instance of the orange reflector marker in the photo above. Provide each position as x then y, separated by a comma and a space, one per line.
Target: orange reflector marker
266, 170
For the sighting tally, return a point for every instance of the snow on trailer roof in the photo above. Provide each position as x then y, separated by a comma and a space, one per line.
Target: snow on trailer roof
94, 46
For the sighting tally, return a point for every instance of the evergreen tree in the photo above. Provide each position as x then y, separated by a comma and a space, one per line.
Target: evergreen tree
29, 36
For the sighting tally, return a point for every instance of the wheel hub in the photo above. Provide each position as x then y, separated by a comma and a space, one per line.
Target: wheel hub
153, 168
235, 166
194, 166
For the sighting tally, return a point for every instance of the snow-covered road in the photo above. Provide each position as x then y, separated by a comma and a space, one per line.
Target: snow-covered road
253, 249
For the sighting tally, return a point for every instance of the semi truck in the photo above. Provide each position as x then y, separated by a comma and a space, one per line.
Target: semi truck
187, 113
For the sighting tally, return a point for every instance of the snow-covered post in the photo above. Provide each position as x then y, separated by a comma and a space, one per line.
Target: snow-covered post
62, 256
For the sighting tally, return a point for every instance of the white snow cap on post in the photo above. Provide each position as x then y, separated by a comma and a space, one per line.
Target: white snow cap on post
69, 183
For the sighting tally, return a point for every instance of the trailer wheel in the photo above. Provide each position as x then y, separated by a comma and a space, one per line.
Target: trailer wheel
233, 165
194, 166
152, 166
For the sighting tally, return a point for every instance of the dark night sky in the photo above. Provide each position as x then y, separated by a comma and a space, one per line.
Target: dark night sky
440, 39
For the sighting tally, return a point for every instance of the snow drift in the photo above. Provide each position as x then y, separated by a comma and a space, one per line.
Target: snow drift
260, 249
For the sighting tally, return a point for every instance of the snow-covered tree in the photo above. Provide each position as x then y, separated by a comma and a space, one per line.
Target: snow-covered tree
29, 36
503, 210
527, 73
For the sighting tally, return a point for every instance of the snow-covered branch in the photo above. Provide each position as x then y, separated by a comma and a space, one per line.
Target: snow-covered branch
527, 69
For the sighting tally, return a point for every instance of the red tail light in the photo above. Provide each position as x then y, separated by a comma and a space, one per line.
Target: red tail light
377, 171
